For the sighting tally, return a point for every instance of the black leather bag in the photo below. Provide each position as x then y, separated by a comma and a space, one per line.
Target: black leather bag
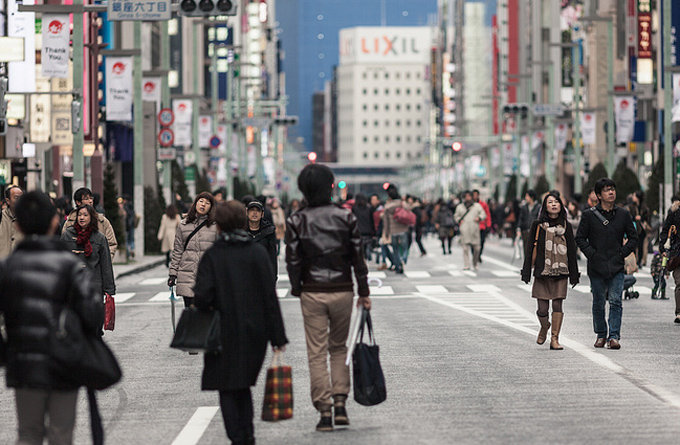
198, 331
369, 381
81, 358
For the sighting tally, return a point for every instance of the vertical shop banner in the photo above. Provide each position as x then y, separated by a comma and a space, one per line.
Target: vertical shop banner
151, 91
508, 158
204, 131
22, 24
119, 89
55, 45
222, 134
61, 110
41, 105
183, 110
676, 98
588, 121
525, 156
561, 137
624, 113
537, 139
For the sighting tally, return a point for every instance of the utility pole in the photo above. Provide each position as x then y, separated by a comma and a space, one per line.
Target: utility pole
165, 103
138, 140
197, 103
667, 115
78, 69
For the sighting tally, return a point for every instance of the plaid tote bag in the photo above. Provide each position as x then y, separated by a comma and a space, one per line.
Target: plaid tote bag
278, 391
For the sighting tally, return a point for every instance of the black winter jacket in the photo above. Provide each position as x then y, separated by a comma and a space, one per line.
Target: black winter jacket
36, 282
603, 244
673, 219
266, 237
323, 244
572, 263
364, 217
235, 278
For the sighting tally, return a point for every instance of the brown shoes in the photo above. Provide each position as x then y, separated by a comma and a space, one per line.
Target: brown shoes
614, 344
383, 266
600, 342
543, 333
557, 318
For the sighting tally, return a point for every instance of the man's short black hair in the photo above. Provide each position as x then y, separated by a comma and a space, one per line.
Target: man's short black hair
81, 193
316, 184
393, 192
467, 192
532, 194
34, 212
602, 183
475, 191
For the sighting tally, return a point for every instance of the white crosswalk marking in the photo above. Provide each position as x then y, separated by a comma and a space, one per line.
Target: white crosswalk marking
161, 297
153, 281
377, 274
281, 293
483, 288
525, 287
432, 289
456, 273
505, 273
123, 296
193, 431
470, 273
582, 288
417, 274
384, 290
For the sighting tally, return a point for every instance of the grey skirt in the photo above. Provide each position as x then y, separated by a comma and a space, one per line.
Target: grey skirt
549, 288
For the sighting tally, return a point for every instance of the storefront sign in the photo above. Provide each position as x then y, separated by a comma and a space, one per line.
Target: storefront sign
588, 121
624, 112
119, 89
22, 24
147, 10
644, 29
183, 110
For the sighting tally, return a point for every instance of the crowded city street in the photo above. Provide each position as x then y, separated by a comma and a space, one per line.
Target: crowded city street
458, 352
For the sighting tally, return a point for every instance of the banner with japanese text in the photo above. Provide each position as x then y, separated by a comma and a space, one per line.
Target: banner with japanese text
588, 121
561, 137
119, 89
55, 45
624, 114
183, 111
151, 91
676, 98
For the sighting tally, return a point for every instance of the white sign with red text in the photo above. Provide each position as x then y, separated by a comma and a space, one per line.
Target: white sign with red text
561, 137
55, 45
204, 131
624, 113
151, 90
119, 89
183, 110
588, 121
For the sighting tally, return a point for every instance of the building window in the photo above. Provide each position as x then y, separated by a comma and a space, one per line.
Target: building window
365, 155
418, 76
408, 107
387, 139
387, 75
398, 123
418, 107
376, 155
387, 91
418, 139
376, 139
418, 90
408, 139
418, 123
408, 91
375, 107
365, 139
398, 139
397, 107
408, 75
398, 155
364, 75
387, 155
408, 155
375, 123
364, 91
375, 75
397, 75
408, 123
365, 123
387, 107
387, 123
365, 107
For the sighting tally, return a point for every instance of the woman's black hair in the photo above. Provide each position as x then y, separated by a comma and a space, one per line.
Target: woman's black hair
94, 218
393, 192
316, 184
543, 215
360, 200
192, 215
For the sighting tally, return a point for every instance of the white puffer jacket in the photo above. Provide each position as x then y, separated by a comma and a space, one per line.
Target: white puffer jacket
184, 263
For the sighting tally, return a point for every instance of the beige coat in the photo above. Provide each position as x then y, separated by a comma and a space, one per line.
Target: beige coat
166, 232
9, 233
104, 227
390, 226
279, 218
184, 263
469, 226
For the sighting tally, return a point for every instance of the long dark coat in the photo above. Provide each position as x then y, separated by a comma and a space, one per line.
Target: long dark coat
235, 277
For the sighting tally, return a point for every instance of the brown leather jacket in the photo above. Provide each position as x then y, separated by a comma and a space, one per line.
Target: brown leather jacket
323, 244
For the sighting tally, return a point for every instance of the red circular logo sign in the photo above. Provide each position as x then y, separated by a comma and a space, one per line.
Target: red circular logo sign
624, 103
55, 27
588, 117
118, 68
149, 87
182, 107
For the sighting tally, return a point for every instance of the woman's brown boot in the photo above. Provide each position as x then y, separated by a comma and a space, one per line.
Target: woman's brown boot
556, 327
543, 333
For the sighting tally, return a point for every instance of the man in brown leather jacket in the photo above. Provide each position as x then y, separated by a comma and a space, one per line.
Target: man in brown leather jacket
323, 244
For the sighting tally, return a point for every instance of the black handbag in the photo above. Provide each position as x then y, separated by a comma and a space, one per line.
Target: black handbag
198, 331
369, 381
80, 358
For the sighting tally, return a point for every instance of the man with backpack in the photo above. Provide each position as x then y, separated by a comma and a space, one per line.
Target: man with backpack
396, 221
468, 216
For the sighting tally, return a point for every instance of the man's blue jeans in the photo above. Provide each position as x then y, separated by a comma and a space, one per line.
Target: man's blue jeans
602, 288
399, 245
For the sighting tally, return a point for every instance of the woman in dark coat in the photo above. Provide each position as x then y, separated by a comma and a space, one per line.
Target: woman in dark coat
235, 277
552, 238
85, 240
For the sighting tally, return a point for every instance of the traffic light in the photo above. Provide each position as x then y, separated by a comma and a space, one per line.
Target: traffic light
207, 8
342, 185
386, 185
286, 120
75, 116
516, 108
312, 157
456, 146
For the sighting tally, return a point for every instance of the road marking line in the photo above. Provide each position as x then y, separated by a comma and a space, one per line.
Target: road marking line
483, 288
194, 429
123, 296
582, 288
503, 264
384, 290
281, 293
417, 274
598, 358
284, 277
161, 296
525, 287
432, 289
644, 290
377, 274
505, 273
469, 273
153, 281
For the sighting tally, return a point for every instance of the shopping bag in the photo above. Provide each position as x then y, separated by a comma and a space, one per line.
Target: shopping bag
369, 381
198, 331
278, 391
110, 316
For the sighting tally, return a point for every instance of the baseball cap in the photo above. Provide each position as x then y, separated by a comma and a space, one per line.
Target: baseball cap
257, 204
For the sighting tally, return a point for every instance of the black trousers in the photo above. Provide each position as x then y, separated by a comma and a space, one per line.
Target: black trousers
237, 414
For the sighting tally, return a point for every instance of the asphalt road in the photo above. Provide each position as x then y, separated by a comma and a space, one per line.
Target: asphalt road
459, 355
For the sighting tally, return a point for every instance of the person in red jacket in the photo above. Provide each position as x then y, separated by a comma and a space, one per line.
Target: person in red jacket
485, 224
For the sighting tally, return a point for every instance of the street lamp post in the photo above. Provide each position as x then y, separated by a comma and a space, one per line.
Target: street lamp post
668, 103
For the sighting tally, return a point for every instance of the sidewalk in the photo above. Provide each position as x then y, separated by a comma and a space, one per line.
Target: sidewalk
137, 265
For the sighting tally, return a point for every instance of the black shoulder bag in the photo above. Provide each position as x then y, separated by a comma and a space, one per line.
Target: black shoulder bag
194, 232
464, 215
369, 380
600, 216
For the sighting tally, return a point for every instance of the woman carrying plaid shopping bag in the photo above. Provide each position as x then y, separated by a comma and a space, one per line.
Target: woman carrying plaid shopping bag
235, 277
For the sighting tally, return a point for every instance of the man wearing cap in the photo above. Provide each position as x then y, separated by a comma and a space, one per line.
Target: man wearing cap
261, 230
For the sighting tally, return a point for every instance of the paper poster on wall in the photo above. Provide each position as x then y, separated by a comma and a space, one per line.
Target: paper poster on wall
55, 45
119, 89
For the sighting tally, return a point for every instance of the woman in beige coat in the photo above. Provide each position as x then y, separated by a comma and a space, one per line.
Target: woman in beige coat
188, 249
166, 232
